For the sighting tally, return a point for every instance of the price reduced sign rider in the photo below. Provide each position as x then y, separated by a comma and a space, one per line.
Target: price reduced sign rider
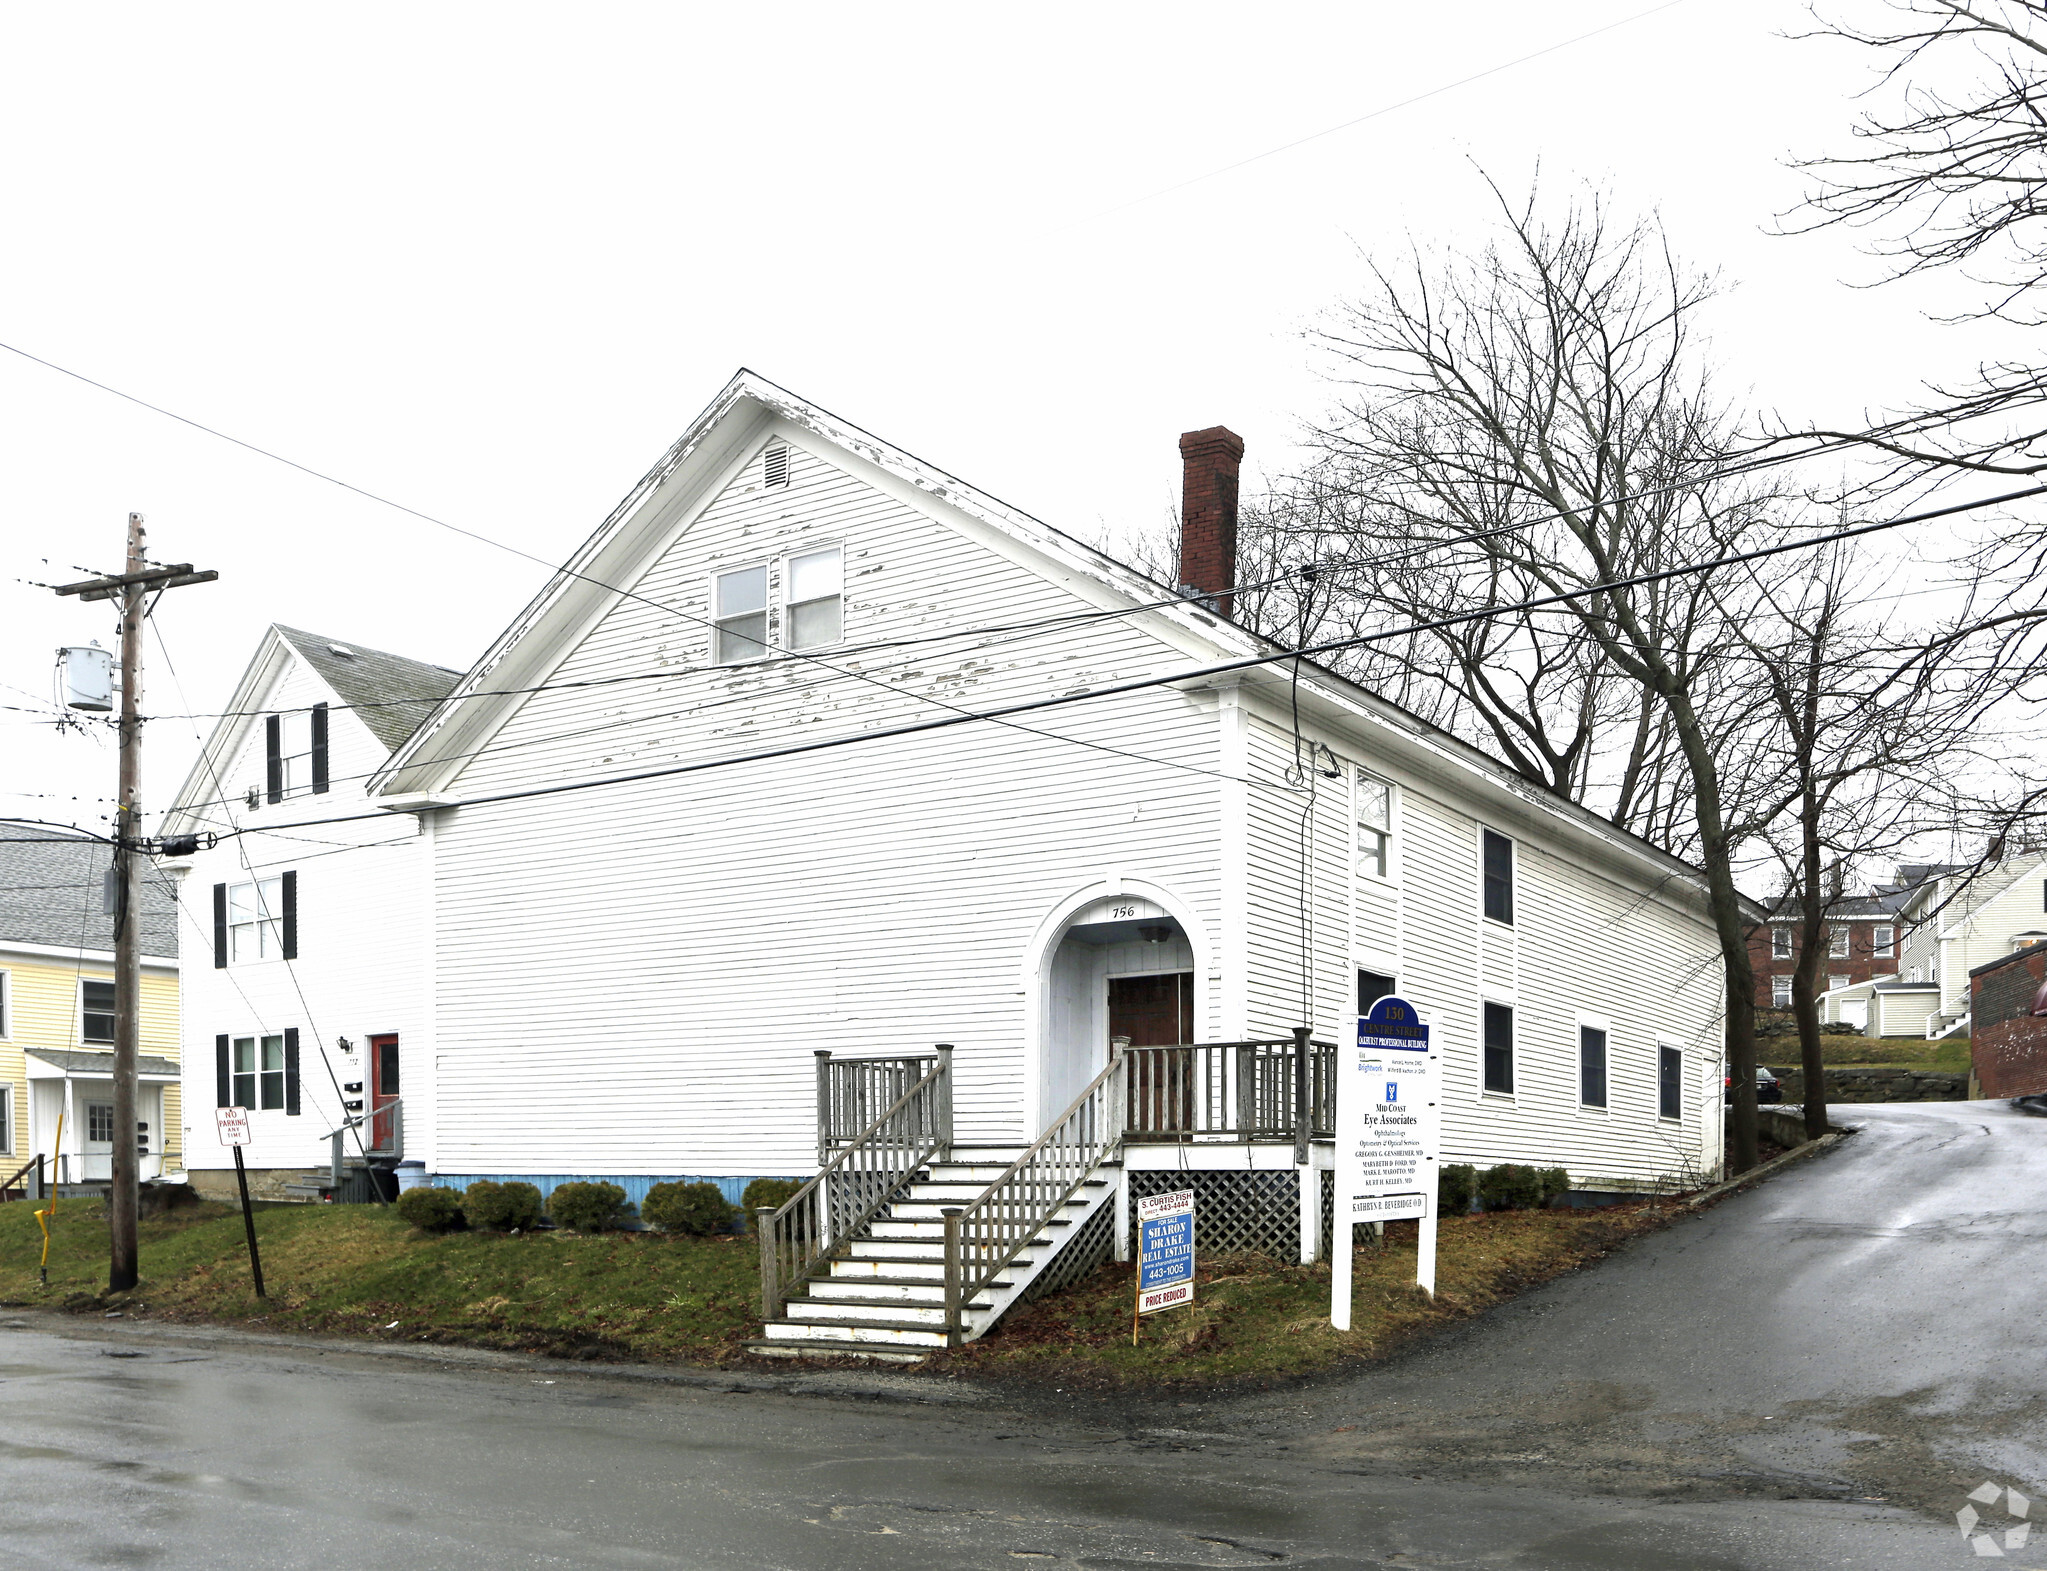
1388, 1126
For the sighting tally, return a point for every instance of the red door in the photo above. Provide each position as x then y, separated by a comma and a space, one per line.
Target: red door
1157, 1011
383, 1092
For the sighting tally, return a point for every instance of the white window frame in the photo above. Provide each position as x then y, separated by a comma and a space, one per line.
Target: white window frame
295, 763
1834, 982
113, 1129
1513, 879
766, 613
1388, 849
1883, 941
790, 605
258, 1044
6, 1118
1780, 941
1839, 941
1780, 992
98, 981
1603, 1024
6, 1003
1666, 1044
1512, 1005
265, 920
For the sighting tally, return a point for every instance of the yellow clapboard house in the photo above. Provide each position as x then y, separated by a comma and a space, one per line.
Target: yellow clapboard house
57, 1015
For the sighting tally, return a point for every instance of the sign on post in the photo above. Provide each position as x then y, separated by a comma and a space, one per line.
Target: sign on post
233, 1124
1388, 1122
1165, 1254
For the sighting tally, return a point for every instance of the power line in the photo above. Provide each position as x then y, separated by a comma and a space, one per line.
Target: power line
1221, 668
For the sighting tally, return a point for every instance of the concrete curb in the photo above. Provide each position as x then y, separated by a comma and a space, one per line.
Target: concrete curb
1762, 1170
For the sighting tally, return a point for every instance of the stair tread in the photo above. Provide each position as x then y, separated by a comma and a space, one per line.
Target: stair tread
861, 1325
893, 1281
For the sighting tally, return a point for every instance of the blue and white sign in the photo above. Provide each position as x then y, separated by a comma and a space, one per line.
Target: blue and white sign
1388, 1124
1165, 1251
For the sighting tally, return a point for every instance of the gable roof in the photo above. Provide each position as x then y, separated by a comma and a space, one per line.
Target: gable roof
692, 473
389, 693
50, 893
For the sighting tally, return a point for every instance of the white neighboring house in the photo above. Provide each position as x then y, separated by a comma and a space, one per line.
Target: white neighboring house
311, 1003
1953, 919
654, 910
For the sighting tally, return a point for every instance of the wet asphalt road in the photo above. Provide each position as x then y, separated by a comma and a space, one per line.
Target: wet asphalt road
1728, 1395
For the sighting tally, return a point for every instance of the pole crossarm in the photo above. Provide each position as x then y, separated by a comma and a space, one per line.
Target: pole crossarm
172, 577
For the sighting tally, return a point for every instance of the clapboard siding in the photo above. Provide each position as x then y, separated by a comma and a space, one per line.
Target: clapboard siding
1583, 942
634, 979
364, 935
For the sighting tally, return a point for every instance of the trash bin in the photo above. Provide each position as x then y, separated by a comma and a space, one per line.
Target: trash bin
411, 1175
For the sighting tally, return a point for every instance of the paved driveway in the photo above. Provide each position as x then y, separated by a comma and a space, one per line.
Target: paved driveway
1722, 1397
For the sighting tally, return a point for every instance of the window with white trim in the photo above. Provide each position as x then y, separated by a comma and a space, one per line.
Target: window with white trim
96, 1011
99, 1123
1372, 807
1837, 943
739, 613
7, 1119
1780, 941
1780, 992
1836, 981
258, 1072
1670, 1071
1592, 1066
814, 585
4, 1002
1498, 1047
1496, 856
255, 915
1883, 940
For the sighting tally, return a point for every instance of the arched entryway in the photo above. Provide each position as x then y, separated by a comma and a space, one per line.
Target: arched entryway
1119, 965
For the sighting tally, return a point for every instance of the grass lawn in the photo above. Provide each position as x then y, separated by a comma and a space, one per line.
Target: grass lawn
1252, 1319
1905, 1052
358, 1270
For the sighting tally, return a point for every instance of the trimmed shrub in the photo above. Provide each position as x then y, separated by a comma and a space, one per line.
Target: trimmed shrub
1556, 1183
1509, 1186
1456, 1187
431, 1210
775, 1192
502, 1208
698, 1209
585, 1208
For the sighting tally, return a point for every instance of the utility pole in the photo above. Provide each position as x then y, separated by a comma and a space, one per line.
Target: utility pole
131, 585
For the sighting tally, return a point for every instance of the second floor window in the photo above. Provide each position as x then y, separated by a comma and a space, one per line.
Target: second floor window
255, 916
816, 598
739, 608
96, 1011
1780, 943
1837, 943
1375, 826
1497, 853
1883, 940
295, 753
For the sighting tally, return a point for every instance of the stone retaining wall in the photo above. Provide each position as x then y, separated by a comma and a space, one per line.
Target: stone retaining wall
1880, 1083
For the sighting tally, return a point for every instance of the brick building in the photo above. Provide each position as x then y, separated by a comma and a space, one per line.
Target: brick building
1862, 946
2008, 1024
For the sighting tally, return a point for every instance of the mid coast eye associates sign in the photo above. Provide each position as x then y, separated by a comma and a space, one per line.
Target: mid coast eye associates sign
1388, 1122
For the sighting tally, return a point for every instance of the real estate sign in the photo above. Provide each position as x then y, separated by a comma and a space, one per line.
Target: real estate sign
1165, 1251
1388, 1119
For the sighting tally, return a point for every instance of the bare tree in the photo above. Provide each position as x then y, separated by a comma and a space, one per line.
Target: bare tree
1532, 421
1873, 742
1949, 173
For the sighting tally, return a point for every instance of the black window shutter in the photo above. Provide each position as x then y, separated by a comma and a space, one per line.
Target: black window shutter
223, 1083
291, 1071
288, 918
220, 929
319, 747
273, 758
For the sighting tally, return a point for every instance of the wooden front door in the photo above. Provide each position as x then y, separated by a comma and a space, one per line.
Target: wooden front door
1157, 1011
383, 1091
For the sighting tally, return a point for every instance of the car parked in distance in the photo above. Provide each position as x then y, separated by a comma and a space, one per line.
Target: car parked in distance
1768, 1087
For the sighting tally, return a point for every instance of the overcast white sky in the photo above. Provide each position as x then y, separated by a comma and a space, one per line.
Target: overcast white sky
490, 260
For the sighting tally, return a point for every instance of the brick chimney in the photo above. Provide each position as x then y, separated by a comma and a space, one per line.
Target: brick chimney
1208, 514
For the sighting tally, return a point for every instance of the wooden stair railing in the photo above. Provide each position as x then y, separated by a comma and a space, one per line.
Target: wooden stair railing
868, 1172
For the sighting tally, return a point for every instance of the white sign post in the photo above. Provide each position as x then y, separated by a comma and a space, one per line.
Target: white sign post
1388, 1123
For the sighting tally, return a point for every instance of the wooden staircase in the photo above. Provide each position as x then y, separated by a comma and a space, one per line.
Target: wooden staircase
882, 1295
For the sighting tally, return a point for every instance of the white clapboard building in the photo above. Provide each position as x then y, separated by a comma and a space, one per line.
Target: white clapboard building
720, 851
310, 947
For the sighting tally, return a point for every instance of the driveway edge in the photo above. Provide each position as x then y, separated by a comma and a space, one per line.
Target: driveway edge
1762, 1170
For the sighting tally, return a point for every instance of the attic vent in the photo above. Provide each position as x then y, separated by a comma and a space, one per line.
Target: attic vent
775, 465
342, 650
